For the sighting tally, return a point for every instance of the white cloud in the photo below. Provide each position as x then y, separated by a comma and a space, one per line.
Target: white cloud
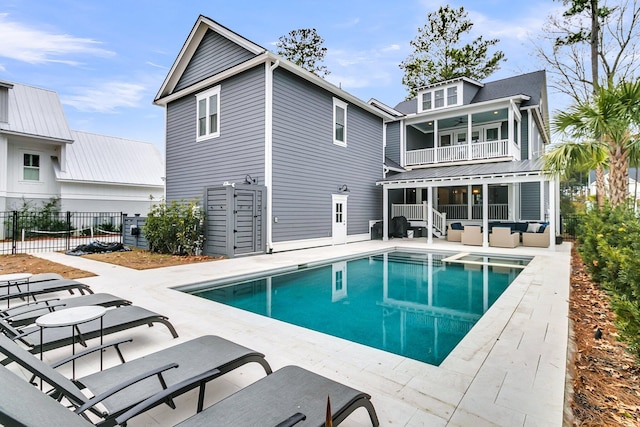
153, 64
32, 45
107, 97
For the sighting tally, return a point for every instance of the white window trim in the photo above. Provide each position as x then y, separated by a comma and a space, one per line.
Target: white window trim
39, 168
339, 103
206, 95
431, 92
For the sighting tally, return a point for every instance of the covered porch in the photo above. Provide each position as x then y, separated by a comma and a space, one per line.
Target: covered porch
472, 194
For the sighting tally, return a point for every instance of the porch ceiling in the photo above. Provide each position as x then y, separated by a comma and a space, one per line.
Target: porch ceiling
497, 172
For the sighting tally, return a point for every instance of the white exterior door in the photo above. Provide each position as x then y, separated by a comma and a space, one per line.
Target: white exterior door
339, 219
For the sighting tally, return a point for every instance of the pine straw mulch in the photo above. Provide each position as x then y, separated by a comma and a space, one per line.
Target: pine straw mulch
606, 389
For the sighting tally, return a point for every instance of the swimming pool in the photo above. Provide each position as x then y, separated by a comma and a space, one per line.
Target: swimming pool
414, 304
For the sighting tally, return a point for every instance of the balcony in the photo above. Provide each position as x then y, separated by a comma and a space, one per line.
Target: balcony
498, 149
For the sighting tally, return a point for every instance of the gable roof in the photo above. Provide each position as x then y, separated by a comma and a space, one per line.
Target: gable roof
168, 92
111, 160
532, 85
35, 112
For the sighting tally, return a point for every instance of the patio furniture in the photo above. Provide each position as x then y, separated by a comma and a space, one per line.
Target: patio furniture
275, 398
25, 290
114, 320
181, 368
454, 232
471, 235
27, 313
536, 239
503, 237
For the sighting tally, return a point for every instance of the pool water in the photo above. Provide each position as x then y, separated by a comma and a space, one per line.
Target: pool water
411, 304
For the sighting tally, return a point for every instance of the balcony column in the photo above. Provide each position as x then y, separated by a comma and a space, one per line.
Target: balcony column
510, 130
436, 141
469, 128
552, 213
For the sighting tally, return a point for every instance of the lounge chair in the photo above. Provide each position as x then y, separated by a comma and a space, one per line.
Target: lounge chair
114, 320
503, 237
31, 289
27, 313
471, 235
21, 404
275, 399
182, 367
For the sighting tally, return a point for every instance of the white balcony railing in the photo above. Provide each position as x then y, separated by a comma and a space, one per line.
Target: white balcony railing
463, 152
496, 211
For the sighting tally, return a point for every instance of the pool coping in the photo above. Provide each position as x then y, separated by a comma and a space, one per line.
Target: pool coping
509, 371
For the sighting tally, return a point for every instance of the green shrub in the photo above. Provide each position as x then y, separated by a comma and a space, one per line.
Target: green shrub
610, 248
175, 228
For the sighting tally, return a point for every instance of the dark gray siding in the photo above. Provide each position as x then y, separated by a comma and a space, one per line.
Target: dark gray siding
308, 168
530, 201
524, 136
192, 166
393, 142
214, 54
469, 92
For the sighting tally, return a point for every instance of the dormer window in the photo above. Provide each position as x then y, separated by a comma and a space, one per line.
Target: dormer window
441, 97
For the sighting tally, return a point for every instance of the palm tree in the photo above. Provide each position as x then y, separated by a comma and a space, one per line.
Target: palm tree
609, 121
568, 157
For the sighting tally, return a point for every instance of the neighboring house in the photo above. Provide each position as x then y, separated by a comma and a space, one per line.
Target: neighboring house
41, 158
283, 159
633, 187
471, 153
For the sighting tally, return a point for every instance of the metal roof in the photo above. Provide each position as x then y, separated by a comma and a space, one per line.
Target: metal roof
106, 159
477, 171
36, 112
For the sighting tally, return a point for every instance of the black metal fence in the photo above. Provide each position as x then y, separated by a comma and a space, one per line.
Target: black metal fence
44, 231
569, 226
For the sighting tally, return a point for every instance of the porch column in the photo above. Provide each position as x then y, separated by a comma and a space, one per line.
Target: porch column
469, 128
485, 215
542, 207
552, 214
385, 213
470, 202
430, 215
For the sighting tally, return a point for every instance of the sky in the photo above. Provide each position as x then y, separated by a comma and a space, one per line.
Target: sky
108, 59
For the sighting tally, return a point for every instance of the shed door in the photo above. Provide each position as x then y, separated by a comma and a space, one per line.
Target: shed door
247, 221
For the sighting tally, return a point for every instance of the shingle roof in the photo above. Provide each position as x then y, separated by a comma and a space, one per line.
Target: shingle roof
36, 112
107, 159
530, 84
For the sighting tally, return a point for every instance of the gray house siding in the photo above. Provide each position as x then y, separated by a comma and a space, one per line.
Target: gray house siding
393, 142
530, 201
308, 168
524, 136
238, 151
214, 54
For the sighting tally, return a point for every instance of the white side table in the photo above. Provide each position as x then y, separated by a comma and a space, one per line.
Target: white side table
15, 279
72, 317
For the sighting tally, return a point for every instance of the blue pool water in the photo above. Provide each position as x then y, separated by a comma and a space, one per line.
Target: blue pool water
412, 304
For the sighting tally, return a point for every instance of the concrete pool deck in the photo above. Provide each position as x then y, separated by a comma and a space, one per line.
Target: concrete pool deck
508, 371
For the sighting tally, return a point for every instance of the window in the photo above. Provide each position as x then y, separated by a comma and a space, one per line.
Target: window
439, 98
452, 95
426, 101
31, 170
208, 114
339, 122
492, 134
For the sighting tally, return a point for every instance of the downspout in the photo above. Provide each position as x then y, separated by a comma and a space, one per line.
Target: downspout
268, 148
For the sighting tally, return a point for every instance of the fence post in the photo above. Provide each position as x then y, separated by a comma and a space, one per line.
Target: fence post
68, 238
14, 233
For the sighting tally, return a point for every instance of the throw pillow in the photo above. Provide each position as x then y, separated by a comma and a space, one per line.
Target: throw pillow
533, 227
456, 226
